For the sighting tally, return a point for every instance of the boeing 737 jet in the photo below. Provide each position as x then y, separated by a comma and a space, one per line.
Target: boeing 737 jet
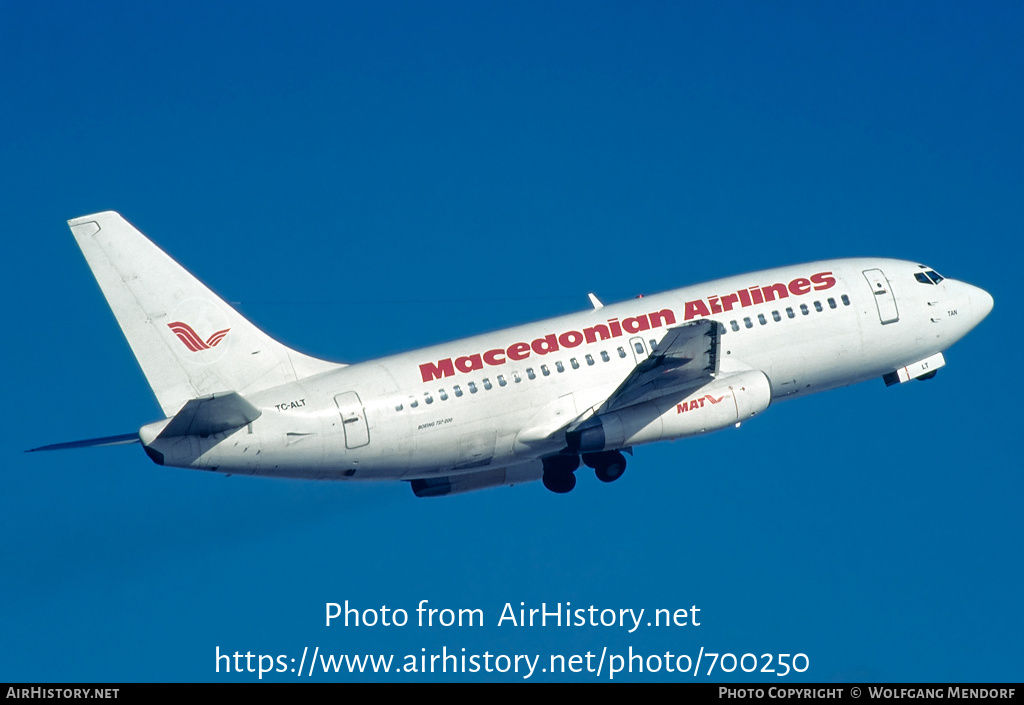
532, 402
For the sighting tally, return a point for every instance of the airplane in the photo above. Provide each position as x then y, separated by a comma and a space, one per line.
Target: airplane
527, 403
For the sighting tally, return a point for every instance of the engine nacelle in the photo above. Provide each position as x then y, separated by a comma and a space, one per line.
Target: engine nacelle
468, 482
720, 403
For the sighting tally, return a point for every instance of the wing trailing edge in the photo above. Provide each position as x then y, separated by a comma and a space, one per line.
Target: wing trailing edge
686, 358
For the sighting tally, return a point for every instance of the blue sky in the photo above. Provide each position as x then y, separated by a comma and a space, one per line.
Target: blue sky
366, 179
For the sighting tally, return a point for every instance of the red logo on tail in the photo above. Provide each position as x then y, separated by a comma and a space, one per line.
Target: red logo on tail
192, 340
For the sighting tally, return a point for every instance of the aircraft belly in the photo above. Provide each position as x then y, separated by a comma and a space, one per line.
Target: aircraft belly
470, 438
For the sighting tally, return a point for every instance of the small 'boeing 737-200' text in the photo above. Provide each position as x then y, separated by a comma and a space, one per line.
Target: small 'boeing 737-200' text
525, 403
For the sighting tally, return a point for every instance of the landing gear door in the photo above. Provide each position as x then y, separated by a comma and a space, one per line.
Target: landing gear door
884, 299
353, 419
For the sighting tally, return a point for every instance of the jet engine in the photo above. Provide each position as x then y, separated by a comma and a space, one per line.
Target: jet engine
723, 401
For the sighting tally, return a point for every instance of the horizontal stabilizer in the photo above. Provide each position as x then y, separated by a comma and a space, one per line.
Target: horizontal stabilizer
123, 439
212, 414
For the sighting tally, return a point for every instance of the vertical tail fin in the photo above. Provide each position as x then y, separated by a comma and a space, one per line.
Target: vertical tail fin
188, 341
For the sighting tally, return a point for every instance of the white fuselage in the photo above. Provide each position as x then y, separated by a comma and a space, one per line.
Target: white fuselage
499, 399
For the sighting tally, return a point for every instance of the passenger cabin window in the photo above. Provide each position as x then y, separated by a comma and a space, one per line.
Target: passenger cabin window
748, 323
590, 359
487, 383
761, 319
559, 366
790, 313
622, 352
544, 370
831, 303
458, 390
735, 325
817, 306
804, 310
443, 394
845, 299
604, 355
574, 363
530, 373
776, 316
501, 381
472, 387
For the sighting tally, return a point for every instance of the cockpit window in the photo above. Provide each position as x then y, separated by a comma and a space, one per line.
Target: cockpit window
927, 276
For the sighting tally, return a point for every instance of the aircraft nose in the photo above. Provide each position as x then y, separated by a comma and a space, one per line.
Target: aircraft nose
981, 302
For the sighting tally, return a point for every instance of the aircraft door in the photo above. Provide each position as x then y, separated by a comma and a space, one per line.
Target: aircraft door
639, 348
884, 299
353, 419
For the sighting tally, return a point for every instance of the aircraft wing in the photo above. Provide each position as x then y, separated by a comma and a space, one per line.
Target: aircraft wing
686, 358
